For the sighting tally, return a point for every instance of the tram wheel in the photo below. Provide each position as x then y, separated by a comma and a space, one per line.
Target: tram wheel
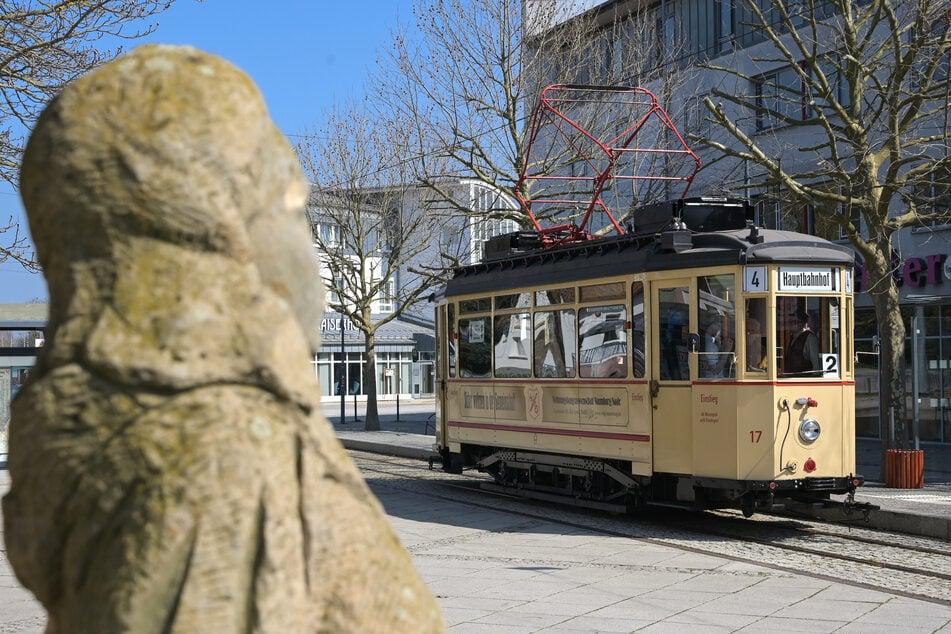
748, 505
454, 463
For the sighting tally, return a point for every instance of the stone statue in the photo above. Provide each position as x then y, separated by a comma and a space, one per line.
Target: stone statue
170, 467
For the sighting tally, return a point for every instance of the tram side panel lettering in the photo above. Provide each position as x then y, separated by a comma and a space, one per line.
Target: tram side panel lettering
481, 402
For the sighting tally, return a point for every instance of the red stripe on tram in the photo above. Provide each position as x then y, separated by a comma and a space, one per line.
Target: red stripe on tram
552, 431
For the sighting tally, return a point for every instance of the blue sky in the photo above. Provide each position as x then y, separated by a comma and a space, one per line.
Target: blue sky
303, 55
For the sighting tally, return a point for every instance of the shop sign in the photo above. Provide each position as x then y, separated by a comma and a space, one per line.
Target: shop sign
913, 272
332, 324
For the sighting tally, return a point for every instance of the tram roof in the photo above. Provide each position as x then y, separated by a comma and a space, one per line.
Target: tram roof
620, 255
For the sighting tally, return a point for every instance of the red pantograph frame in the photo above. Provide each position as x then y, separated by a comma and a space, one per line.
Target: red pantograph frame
550, 114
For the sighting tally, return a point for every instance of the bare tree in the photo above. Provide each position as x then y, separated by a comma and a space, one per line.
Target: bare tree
468, 73
375, 243
44, 46
868, 107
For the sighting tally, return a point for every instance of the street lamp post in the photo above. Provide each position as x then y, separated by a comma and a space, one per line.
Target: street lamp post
343, 374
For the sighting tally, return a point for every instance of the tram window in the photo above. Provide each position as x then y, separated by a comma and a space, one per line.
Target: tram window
554, 347
451, 338
637, 330
479, 305
598, 292
717, 312
475, 360
514, 300
555, 296
674, 324
512, 345
602, 342
809, 336
756, 352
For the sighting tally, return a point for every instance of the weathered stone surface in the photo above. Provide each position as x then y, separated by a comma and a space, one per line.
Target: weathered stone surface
170, 467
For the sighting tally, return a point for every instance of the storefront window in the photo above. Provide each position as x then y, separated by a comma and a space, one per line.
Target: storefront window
5, 397
867, 389
393, 372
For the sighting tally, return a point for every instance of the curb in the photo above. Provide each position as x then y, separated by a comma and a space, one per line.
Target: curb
387, 448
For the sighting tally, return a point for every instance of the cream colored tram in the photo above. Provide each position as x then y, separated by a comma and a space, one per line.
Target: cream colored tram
654, 368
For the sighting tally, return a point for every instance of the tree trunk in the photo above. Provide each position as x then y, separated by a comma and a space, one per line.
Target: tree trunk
372, 417
884, 294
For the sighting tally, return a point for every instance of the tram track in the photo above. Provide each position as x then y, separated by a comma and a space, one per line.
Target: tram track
905, 565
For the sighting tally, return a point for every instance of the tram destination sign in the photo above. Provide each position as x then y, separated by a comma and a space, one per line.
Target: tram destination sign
807, 279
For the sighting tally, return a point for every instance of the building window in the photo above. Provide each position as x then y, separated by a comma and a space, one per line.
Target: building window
786, 95
333, 291
327, 235
386, 301
932, 195
781, 97
748, 29
696, 121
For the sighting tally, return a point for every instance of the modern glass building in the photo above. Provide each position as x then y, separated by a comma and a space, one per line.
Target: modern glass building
21, 333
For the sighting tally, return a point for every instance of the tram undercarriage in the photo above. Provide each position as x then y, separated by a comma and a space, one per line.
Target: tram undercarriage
607, 485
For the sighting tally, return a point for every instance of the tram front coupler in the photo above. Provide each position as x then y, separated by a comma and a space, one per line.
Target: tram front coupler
850, 506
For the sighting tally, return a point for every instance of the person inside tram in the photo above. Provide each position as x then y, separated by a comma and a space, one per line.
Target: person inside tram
802, 358
716, 351
755, 346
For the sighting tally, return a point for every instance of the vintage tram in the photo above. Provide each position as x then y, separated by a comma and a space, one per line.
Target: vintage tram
697, 361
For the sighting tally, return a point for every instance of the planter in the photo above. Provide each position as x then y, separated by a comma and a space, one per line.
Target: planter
905, 469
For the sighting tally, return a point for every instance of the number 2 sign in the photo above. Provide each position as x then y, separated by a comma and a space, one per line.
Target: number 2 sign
830, 364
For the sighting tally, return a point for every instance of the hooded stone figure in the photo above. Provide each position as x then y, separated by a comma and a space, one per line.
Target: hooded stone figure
170, 467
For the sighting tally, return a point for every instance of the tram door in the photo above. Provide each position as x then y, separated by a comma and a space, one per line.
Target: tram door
670, 376
445, 358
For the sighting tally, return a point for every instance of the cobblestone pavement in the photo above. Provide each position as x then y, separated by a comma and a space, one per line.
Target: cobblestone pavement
498, 571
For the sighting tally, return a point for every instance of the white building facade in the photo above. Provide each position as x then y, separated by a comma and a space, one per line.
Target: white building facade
724, 33
405, 347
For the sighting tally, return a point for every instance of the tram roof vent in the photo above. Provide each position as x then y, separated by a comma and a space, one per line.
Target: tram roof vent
510, 244
676, 241
701, 214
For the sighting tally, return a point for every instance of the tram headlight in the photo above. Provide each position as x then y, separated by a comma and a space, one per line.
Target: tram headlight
809, 430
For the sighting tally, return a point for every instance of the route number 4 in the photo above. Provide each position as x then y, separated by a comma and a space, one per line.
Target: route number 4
756, 435
754, 279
